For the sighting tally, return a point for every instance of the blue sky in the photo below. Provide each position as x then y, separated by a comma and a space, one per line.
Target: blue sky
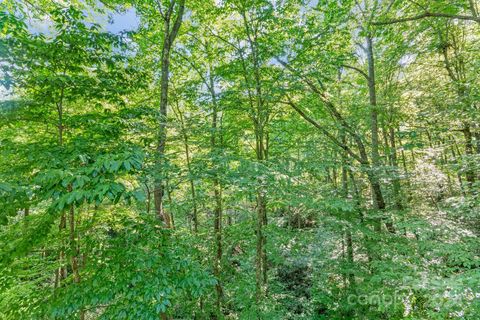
125, 21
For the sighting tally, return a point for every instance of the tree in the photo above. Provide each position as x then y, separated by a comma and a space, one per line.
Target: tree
138, 167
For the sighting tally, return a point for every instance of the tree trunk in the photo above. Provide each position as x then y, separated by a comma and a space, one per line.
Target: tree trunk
470, 173
261, 209
477, 139
397, 194
459, 176
159, 189
260, 119
170, 33
348, 233
61, 273
189, 168
217, 188
378, 200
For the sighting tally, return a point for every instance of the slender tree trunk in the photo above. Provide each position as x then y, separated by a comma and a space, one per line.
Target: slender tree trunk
470, 173
348, 233
195, 209
397, 193
260, 119
387, 149
444, 161
350, 258
459, 176
218, 243
149, 197
261, 209
260, 258
404, 158
477, 139
217, 189
377, 194
61, 273
456, 72
159, 189
170, 33
189, 168
378, 200
73, 241
74, 249
60, 127
73, 246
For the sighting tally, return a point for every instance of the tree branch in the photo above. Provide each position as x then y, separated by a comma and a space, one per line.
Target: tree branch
178, 21
160, 10
427, 15
323, 130
363, 73
363, 158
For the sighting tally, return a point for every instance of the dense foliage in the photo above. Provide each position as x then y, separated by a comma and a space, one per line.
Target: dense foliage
239, 159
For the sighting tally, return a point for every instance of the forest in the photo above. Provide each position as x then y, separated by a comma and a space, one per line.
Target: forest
239, 159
